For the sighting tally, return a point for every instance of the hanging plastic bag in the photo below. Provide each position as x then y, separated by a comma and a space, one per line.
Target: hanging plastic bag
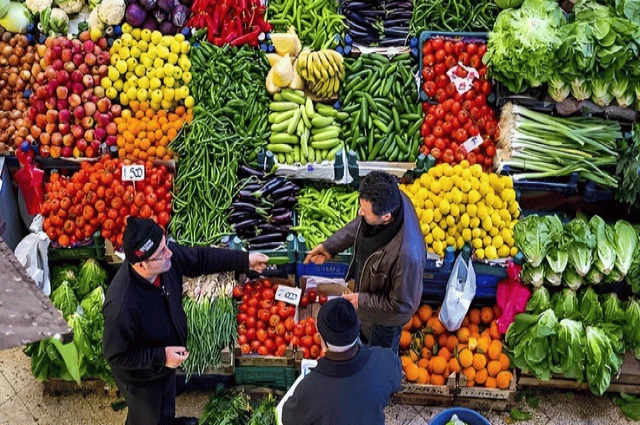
32, 254
461, 289
511, 296
30, 179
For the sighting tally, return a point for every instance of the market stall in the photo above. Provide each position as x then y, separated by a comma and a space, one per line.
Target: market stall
248, 126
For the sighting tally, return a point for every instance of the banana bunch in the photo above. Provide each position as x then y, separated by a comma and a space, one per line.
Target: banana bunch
302, 132
323, 71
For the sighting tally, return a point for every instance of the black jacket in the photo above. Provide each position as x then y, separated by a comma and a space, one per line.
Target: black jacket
352, 392
140, 320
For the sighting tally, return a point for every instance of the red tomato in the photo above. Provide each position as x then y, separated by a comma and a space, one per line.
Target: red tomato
241, 317
295, 341
306, 341
429, 60
251, 322
323, 299
245, 348
310, 329
472, 49
428, 74
255, 345
251, 334
261, 334
304, 301
471, 157
314, 351
298, 330
253, 302
288, 336
437, 43
266, 304
430, 88
450, 62
438, 70
305, 353
264, 315
430, 120
282, 350
442, 81
242, 339
263, 351
448, 156
475, 61
436, 153
316, 339
274, 320
312, 294
273, 309
267, 294
270, 345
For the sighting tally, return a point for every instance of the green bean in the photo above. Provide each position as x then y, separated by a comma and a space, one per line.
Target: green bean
453, 16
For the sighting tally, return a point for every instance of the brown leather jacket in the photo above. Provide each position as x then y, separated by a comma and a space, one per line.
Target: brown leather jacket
390, 285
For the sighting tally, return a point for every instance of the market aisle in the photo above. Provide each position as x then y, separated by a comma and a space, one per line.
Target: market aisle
23, 403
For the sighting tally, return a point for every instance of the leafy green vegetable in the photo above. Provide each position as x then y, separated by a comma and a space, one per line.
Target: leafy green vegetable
580, 88
522, 47
16, 18
568, 350
612, 309
533, 275
631, 326
602, 361
64, 300
540, 301
551, 277
264, 413
557, 257
62, 274
594, 277
626, 240
519, 415
565, 304
627, 168
227, 409
633, 277
533, 238
629, 405
91, 276
528, 342
580, 243
605, 254
571, 278
558, 89
590, 309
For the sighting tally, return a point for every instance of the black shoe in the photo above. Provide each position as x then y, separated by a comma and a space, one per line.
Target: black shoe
185, 421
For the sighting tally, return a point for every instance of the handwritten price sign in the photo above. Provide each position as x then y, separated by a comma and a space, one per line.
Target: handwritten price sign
132, 173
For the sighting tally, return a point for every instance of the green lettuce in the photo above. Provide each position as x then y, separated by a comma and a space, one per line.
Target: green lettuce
612, 309
594, 277
91, 276
551, 277
579, 243
572, 279
528, 342
67, 274
631, 326
540, 301
565, 304
626, 240
602, 360
601, 91
605, 254
533, 238
558, 89
557, 257
532, 275
568, 350
580, 88
633, 277
590, 309
64, 299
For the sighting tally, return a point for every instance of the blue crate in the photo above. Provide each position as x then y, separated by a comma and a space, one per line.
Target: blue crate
465, 36
336, 268
594, 193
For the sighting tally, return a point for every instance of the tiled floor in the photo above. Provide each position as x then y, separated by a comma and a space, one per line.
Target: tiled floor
22, 403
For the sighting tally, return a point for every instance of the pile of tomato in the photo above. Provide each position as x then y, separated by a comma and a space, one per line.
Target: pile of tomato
307, 337
455, 117
265, 326
96, 199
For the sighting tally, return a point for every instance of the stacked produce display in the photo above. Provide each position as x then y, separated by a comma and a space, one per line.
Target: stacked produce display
189, 112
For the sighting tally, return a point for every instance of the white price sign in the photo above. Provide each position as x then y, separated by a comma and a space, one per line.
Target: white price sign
288, 294
132, 173
465, 84
472, 143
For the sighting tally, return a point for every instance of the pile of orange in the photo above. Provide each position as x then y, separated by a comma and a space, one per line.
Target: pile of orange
430, 354
143, 133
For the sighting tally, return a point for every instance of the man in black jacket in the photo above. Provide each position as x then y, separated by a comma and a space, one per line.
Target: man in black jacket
352, 384
388, 259
145, 326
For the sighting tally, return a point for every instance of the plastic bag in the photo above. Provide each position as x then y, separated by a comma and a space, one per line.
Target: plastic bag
461, 289
32, 254
511, 296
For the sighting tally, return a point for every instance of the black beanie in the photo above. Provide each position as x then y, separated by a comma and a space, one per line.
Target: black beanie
141, 239
338, 322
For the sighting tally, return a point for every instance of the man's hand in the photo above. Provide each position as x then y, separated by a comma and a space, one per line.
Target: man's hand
175, 356
352, 298
258, 262
318, 255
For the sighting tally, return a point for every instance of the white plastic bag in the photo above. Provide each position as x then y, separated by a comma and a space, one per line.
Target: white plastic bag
461, 289
32, 254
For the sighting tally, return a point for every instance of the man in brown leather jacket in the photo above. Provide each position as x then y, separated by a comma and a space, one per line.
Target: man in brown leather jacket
388, 259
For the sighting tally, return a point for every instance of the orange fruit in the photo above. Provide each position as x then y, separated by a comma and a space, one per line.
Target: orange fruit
474, 316
474, 329
486, 333
429, 341
494, 332
445, 353
462, 347
505, 363
437, 379
416, 323
466, 321
426, 353
473, 343
471, 384
405, 340
495, 349
425, 313
454, 366
442, 340
469, 373
479, 361
407, 326
463, 335
503, 380
494, 368
483, 345
423, 376
481, 376
491, 383
423, 363
465, 358
452, 343
497, 312
486, 315
406, 361
414, 356
412, 372
439, 365
437, 326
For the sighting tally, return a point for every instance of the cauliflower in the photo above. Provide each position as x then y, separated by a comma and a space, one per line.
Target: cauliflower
94, 20
37, 6
70, 6
111, 12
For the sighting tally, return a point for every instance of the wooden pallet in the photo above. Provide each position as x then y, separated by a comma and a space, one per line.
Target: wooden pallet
257, 360
427, 395
57, 387
480, 398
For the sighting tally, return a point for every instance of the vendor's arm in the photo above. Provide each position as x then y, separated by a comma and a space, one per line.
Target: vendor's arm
200, 261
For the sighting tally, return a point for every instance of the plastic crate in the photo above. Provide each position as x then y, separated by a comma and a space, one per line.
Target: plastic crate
593, 193
566, 187
281, 378
535, 99
335, 268
93, 248
281, 261
464, 36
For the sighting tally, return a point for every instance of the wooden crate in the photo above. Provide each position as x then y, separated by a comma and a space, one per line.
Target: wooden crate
479, 398
627, 381
257, 360
427, 395
226, 366
57, 387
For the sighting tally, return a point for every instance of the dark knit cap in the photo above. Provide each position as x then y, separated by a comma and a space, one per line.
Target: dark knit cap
338, 322
141, 239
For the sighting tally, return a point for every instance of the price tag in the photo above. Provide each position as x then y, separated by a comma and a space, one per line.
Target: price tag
288, 294
132, 173
465, 84
472, 143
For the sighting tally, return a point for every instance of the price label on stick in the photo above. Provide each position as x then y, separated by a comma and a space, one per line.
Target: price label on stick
132, 173
472, 143
288, 294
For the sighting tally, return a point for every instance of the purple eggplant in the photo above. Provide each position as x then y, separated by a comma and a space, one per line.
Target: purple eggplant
283, 218
179, 15
289, 200
135, 15
246, 171
265, 246
167, 28
150, 24
266, 238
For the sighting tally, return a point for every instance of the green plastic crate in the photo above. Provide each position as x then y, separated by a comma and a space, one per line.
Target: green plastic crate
95, 250
281, 378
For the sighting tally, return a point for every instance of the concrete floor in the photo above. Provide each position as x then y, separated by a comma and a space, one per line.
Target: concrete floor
22, 403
